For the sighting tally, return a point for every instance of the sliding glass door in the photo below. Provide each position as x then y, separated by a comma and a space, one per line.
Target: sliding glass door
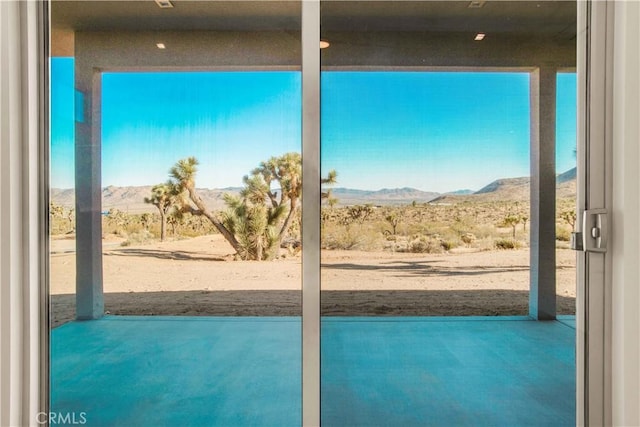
176, 213
436, 142
440, 236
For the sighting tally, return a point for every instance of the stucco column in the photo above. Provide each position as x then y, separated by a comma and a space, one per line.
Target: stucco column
89, 293
542, 296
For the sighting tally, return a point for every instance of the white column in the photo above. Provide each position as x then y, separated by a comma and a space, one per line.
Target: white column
311, 213
625, 241
542, 289
89, 286
22, 210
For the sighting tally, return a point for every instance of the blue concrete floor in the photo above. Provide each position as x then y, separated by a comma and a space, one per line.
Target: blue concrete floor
411, 371
447, 372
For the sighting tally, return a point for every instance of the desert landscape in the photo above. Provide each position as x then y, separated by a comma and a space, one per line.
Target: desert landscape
456, 255
198, 277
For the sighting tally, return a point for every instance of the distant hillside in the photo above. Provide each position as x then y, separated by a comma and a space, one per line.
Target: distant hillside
517, 189
131, 199
461, 192
567, 176
386, 196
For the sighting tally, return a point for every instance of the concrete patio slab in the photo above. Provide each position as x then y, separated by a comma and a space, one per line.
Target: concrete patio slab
245, 371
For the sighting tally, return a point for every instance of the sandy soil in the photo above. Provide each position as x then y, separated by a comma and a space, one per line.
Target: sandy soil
199, 277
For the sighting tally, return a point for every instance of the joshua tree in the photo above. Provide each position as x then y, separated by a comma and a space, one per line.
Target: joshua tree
173, 219
265, 224
326, 193
331, 201
253, 224
329, 180
569, 216
145, 220
184, 176
287, 171
118, 219
512, 221
163, 197
393, 219
71, 217
523, 219
360, 213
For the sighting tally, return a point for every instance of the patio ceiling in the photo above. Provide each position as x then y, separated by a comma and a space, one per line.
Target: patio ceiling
555, 19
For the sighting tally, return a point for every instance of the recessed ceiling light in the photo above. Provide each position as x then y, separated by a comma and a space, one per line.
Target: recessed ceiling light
479, 36
324, 44
160, 45
164, 4
476, 4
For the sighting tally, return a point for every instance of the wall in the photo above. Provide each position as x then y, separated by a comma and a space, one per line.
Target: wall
626, 218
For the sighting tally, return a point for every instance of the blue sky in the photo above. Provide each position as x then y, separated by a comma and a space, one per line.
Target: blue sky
432, 131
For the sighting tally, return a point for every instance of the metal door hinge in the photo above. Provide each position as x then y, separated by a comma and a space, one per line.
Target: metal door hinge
595, 232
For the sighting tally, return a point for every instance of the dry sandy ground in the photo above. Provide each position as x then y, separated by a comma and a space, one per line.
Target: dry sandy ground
198, 277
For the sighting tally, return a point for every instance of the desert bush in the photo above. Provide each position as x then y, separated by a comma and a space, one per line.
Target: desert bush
139, 238
485, 244
468, 238
447, 245
483, 231
562, 234
506, 244
62, 220
424, 244
348, 238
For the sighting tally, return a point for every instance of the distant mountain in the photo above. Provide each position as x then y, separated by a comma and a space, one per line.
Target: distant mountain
517, 189
461, 192
567, 176
385, 196
131, 199
502, 185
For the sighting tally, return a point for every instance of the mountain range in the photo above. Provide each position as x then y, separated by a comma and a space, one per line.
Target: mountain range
131, 199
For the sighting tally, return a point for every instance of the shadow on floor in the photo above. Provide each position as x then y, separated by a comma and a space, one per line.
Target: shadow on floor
333, 303
426, 268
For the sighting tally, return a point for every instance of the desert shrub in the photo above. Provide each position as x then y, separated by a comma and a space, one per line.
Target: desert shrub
562, 234
447, 245
424, 244
483, 231
506, 244
468, 238
346, 240
485, 244
138, 238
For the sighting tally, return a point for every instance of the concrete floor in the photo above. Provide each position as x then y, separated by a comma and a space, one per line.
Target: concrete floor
411, 371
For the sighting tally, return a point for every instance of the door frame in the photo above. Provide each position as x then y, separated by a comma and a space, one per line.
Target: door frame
594, 191
593, 316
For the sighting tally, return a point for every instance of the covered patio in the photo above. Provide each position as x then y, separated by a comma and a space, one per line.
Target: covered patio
430, 371
531, 37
